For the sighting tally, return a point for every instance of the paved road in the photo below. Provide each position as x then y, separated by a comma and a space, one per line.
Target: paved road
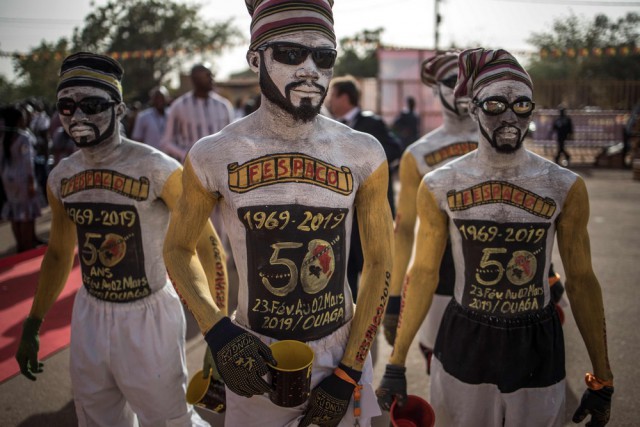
615, 235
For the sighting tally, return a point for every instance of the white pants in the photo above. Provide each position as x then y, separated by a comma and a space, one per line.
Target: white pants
458, 404
429, 329
260, 411
128, 364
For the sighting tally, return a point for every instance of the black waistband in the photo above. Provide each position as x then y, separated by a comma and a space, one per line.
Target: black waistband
526, 319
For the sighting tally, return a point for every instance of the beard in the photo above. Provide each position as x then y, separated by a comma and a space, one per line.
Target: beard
84, 141
305, 112
504, 148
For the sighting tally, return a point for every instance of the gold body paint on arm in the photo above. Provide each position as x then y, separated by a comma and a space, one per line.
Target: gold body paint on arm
188, 220
422, 279
209, 248
581, 283
58, 260
376, 234
405, 223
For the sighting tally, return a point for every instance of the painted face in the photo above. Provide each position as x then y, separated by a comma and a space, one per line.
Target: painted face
88, 114
458, 106
298, 89
505, 131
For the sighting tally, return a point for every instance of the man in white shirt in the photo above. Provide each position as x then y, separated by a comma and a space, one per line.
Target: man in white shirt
196, 114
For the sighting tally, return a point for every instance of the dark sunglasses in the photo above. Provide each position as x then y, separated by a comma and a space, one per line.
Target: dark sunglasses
89, 105
295, 54
450, 82
496, 105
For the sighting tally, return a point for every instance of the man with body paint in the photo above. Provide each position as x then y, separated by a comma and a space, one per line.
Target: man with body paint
499, 355
457, 136
114, 197
288, 182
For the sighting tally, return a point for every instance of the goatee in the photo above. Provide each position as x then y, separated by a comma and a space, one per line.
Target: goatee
306, 112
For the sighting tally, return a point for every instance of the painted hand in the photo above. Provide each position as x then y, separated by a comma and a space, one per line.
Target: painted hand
598, 404
329, 401
390, 320
393, 386
240, 357
27, 354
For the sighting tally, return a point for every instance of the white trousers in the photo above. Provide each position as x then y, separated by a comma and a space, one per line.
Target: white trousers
260, 411
128, 365
458, 404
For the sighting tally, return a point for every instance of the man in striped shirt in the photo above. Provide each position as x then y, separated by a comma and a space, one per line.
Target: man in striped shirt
196, 114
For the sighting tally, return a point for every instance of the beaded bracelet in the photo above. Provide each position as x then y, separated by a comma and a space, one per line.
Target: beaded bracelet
595, 383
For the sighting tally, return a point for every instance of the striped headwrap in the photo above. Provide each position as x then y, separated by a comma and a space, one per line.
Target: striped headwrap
90, 69
435, 68
271, 18
480, 67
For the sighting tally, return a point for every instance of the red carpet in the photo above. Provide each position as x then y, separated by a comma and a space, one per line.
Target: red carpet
18, 280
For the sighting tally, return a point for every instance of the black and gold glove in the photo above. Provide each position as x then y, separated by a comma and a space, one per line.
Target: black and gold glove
329, 401
392, 386
241, 358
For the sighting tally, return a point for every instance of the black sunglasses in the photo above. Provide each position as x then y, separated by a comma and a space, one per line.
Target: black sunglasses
496, 105
89, 105
295, 54
450, 82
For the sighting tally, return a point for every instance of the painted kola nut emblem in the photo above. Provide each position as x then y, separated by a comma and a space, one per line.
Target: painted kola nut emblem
522, 267
112, 250
318, 266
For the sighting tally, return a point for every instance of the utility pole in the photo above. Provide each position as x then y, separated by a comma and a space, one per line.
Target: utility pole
438, 18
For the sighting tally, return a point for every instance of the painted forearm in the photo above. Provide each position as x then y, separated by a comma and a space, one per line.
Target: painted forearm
188, 219
422, 278
376, 234
405, 221
58, 260
214, 261
583, 289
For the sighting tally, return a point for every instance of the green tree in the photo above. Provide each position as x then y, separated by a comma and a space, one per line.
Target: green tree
37, 71
358, 55
150, 25
9, 92
569, 35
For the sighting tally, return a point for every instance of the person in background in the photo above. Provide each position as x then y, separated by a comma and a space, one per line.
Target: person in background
23, 201
407, 124
499, 355
39, 126
563, 128
113, 198
343, 103
198, 113
151, 122
129, 119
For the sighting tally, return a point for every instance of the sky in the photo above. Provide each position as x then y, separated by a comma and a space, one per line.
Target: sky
408, 23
